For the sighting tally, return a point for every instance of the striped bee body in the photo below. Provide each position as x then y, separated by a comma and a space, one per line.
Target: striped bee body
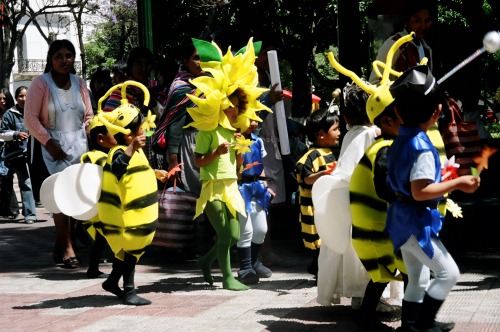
371, 243
128, 206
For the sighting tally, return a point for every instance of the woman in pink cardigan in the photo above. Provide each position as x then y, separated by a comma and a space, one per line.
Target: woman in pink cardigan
57, 113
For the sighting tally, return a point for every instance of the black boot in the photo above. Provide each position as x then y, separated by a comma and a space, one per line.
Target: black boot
409, 315
130, 297
367, 320
95, 256
427, 317
111, 284
259, 268
246, 274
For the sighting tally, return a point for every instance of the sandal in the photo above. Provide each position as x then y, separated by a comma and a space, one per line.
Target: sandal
70, 263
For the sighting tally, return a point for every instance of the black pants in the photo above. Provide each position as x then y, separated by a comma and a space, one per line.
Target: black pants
36, 165
9, 206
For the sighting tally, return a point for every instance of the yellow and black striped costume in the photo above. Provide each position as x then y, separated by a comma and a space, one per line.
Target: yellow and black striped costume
371, 243
313, 161
128, 206
98, 158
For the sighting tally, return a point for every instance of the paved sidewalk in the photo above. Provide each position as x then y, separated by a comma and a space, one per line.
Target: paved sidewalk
37, 295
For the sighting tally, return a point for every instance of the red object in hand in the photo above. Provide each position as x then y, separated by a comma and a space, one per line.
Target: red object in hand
330, 168
175, 169
448, 173
248, 166
482, 160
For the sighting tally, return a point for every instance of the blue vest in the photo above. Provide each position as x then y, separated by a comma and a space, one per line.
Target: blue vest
406, 216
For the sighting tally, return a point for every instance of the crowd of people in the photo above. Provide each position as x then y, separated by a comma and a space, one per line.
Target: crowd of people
216, 137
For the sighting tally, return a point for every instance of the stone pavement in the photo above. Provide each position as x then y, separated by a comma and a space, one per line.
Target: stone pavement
37, 295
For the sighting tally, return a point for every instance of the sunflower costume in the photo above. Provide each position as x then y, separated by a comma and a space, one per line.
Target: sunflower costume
220, 198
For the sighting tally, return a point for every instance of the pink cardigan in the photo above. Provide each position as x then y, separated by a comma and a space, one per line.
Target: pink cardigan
36, 113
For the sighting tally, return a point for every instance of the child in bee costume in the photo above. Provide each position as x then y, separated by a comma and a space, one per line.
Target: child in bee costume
369, 198
128, 205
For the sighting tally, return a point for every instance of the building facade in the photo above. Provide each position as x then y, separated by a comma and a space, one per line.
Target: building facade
31, 51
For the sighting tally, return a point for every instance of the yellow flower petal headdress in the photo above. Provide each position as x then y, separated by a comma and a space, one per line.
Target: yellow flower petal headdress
227, 73
380, 96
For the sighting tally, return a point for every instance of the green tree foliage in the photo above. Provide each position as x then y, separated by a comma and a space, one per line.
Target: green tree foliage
115, 37
303, 30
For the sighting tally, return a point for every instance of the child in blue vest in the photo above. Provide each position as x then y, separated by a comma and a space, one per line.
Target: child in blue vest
413, 219
257, 196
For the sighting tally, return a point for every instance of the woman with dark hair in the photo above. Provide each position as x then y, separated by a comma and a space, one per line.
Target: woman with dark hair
178, 142
417, 16
15, 135
100, 83
140, 63
58, 111
9, 206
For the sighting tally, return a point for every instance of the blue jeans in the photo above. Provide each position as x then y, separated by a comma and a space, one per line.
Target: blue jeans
20, 167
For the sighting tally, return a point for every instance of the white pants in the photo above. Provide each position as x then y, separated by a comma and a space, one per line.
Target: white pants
253, 228
418, 264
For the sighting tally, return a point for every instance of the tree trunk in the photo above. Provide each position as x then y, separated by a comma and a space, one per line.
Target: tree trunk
349, 36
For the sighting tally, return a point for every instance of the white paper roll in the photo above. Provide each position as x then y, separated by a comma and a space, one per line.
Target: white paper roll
279, 107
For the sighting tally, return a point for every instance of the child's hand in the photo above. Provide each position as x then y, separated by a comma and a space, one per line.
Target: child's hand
468, 183
138, 142
223, 148
161, 175
273, 194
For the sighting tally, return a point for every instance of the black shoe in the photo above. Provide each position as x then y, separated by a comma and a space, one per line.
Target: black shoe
444, 327
261, 270
248, 277
113, 288
131, 298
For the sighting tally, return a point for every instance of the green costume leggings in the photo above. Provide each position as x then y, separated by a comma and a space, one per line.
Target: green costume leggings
228, 233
